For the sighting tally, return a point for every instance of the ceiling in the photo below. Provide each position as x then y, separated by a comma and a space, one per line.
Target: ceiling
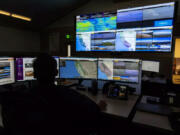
42, 12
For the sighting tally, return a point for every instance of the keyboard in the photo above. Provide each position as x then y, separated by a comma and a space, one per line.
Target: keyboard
154, 108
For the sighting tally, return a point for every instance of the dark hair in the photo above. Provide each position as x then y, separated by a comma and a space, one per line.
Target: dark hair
45, 67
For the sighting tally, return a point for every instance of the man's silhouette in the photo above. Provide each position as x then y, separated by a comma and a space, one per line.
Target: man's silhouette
50, 109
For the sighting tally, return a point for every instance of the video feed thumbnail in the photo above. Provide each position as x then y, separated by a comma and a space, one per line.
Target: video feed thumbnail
162, 40
129, 16
78, 69
162, 33
126, 71
28, 72
96, 24
4, 70
154, 40
83, 42
103, 41
158, 13
144, 40
125, 41
129, 19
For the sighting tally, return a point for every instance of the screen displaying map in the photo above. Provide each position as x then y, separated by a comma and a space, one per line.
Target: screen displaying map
72, 68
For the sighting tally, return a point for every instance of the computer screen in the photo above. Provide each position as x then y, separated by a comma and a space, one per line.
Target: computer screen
7, 70
124, 70
24, 68
146, 28
74, 68
152, 66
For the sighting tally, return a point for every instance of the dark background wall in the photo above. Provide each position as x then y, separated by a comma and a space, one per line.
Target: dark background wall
18, 41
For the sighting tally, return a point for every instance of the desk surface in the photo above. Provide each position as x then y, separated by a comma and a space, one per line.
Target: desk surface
116, 107
152, 120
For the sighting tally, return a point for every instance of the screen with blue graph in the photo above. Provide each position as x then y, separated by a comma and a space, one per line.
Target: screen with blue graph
7, 70
74, 68
147, 28
124, 70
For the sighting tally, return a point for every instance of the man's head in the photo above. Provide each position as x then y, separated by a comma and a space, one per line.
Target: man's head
45, 69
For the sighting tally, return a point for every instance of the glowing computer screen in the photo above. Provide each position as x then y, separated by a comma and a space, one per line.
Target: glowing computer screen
7, 70
124, 70
74, 68
24, 68
146, 28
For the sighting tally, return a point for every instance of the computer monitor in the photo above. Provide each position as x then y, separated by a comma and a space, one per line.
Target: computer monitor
7, 70
24, 69
152, 66
78, 68
124, 70
146, 28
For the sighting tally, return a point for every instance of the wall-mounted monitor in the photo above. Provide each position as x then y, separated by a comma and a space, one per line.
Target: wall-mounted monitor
78, 68
146, 28
7, 70
124, 70
24, 68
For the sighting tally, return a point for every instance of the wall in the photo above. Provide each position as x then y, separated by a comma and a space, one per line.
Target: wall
14, 40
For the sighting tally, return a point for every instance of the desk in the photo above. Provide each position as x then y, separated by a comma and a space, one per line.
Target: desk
152, 120
115, 107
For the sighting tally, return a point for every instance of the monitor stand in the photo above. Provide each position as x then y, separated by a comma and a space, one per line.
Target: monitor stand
80, 86
94, 87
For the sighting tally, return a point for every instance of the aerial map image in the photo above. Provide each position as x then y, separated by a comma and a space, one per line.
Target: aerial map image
78, 69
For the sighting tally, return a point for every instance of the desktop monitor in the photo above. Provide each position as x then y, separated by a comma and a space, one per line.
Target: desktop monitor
78, 68
146, 28
7, 70
24, 68
123, 70
152, 66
